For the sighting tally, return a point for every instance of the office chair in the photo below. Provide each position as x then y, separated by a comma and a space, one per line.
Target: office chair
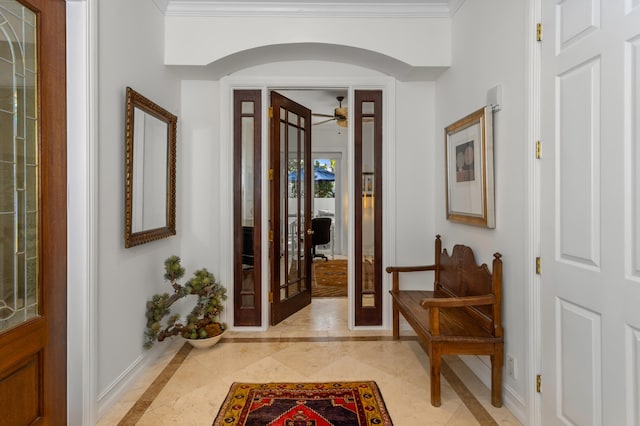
321, 227
247, 245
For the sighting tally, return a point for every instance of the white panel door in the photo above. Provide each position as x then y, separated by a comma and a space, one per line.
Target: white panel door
590, 212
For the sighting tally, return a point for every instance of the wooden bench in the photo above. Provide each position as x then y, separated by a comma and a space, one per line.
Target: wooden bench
462, 315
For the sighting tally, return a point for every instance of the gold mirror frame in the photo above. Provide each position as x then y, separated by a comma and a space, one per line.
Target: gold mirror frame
135, 101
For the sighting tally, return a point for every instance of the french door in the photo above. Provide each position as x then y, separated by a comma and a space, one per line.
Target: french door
291, 176
247, 207
367, 119
33, 213
590, 212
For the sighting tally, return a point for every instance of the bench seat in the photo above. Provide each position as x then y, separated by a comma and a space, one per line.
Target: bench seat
455, 323
462, 315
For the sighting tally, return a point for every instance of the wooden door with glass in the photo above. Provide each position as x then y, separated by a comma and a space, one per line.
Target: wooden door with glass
33, 261
290, 207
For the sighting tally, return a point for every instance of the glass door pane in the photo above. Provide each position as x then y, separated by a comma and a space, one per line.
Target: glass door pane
19, 209
293, 190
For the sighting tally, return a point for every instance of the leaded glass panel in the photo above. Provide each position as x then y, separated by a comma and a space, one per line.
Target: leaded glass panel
19, 207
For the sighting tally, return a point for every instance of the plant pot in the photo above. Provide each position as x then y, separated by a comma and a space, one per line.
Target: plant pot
205, 343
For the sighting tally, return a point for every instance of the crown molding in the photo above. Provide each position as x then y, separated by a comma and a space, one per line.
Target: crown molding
162, 5
454, 6
304, 9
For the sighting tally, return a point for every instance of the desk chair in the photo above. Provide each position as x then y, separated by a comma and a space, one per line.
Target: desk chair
247, 245
321, 227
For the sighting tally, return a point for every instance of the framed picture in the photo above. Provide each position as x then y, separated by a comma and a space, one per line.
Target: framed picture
469, 168
367, 183
367, 190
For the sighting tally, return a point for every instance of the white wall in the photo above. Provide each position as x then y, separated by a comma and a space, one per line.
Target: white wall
489, 45
196, 40
130, 54
414, 194
200, 174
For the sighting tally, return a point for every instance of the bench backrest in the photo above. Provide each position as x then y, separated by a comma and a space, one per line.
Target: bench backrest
459, 275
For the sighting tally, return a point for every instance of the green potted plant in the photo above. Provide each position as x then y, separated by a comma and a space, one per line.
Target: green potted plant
202, 327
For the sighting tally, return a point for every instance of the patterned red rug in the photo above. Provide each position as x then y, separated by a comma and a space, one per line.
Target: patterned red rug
303, 404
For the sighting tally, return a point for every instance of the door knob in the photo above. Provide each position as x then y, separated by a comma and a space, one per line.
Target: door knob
309, 231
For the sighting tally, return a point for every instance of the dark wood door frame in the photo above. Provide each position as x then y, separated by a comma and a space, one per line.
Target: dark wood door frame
365, 315
37, 349
247, 314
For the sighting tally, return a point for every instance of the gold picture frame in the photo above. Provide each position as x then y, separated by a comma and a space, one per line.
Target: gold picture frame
469, 169
150, 171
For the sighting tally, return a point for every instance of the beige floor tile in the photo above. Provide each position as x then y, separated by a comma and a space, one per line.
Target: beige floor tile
289, 353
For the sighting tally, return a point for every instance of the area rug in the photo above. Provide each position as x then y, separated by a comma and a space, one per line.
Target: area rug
303, 404
329, 278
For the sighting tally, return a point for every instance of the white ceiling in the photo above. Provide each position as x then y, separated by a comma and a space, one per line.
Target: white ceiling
322, 101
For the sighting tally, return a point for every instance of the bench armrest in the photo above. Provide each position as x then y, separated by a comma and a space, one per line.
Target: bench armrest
395, 271
456, 302
392, 269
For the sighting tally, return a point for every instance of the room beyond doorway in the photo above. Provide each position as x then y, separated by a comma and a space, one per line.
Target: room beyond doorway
330, 139
330, 277
347, 149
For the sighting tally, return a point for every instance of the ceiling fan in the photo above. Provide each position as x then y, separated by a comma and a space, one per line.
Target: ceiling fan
339, 114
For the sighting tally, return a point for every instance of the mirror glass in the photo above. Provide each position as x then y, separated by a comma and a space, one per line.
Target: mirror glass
150, 171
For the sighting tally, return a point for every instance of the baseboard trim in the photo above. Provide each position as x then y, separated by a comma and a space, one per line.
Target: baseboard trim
131, 375
510, 398
116, 389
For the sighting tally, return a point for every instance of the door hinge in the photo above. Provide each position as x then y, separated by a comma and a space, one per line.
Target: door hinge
270, 236
538, 382
538, 265
270, 112
538, 150
270, 297
539, 31
270, 174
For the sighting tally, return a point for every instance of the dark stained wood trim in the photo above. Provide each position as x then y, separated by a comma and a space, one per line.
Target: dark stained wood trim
365, 316
52, 49
51, 328
247, 316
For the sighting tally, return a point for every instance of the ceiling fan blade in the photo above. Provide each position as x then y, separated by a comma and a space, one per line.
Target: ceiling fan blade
322, 115
324, 121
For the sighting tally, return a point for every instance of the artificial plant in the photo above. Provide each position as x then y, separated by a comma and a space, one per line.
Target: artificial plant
202, 322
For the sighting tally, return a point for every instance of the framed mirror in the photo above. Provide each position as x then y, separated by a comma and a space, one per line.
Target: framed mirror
150, 171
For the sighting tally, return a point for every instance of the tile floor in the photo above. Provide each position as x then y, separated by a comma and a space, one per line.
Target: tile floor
313, 345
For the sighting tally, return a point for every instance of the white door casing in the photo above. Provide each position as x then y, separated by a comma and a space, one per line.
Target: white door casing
590, 212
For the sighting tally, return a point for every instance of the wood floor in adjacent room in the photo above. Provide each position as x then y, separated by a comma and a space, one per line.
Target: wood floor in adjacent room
187, 386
